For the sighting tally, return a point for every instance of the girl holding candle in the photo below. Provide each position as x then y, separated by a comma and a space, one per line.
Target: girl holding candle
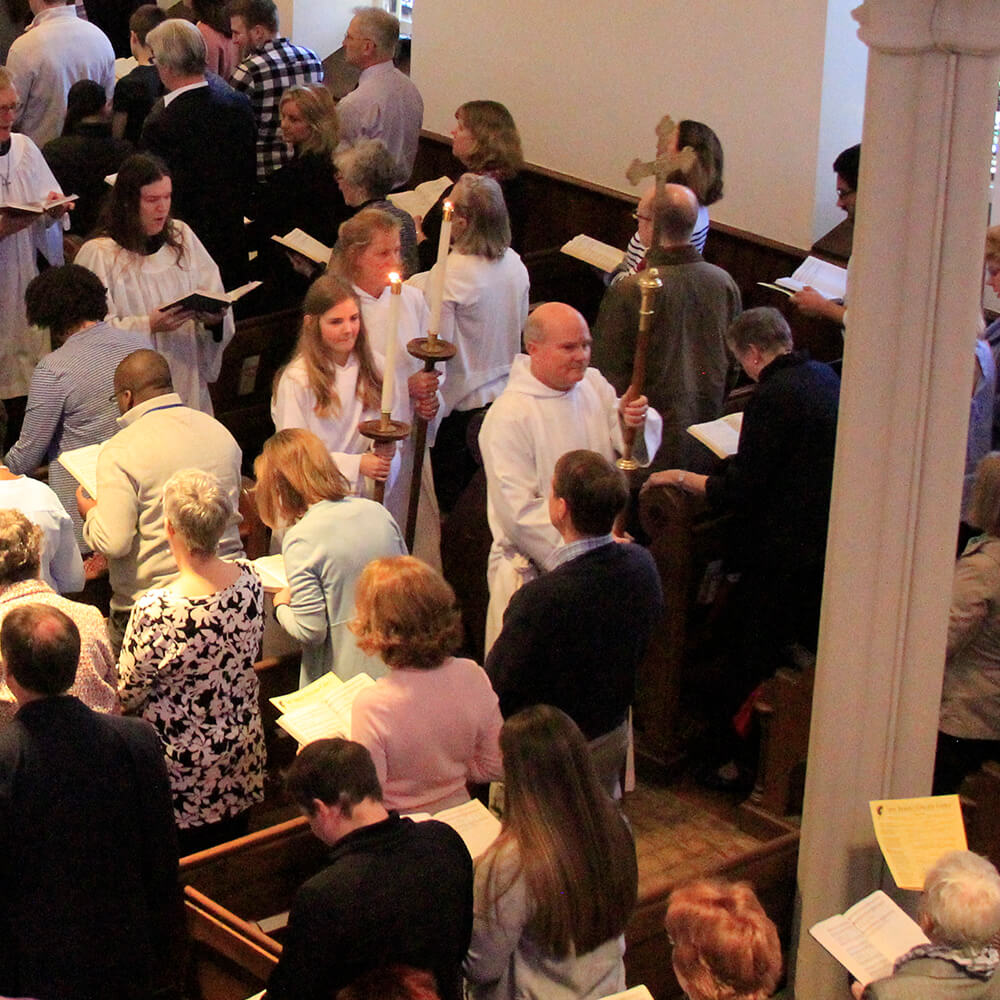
484, 303
335, 381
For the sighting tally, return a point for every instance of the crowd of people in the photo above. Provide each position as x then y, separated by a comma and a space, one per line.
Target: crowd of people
542, 913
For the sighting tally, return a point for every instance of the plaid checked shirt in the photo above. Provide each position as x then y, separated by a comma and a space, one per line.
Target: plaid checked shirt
264, 76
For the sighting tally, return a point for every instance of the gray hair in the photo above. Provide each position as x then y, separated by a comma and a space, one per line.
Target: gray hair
962, 901
479, 200
368, 165
380, 27
178, 46
762, 327
198, 508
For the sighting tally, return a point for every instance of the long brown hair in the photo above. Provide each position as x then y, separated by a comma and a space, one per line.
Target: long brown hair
497, 149
575, 851
120, 216
324, 294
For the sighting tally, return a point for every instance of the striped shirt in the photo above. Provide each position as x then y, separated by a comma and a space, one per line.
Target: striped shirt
264, 76
572, 550
68, 405
635, 253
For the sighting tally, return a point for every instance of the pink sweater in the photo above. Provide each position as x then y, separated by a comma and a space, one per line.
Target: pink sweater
430, 731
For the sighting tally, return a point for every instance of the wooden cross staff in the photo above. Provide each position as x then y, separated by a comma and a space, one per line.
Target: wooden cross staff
649, 285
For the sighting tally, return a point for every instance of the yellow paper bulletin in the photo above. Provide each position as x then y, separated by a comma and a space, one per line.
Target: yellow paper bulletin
914, 833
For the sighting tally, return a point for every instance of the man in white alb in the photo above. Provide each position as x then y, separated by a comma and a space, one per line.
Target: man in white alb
554, 403
386, 104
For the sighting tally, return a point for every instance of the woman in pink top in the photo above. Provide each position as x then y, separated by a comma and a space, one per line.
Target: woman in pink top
433, 723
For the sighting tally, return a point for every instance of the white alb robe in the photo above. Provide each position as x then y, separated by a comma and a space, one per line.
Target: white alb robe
137, 285
24, 177
526, 431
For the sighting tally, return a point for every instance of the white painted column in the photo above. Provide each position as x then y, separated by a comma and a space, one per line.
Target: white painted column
913, 298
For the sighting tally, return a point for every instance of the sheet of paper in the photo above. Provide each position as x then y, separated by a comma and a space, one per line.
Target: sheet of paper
81, 464
914, 833
314, 691
422, 197
474, 823
591, 251
271, 570
635, 993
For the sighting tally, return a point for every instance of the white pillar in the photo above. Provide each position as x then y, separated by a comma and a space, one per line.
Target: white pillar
913, 296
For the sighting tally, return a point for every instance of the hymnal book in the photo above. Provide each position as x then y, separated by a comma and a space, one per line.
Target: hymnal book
110, 179
36, 207
720, 436
321, 709
828, 279
201, 300
914, 833
601, 255
124, 65
472, 821
635, 993
869, 937
422, 198
271, 570
81, 464
304, 244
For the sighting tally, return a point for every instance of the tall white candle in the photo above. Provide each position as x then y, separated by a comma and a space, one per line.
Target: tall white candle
437, 277
392, 344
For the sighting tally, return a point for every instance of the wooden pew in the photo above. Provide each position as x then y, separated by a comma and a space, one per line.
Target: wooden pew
241, 396
981, 808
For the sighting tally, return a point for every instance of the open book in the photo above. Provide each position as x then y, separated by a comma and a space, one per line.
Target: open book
36, 207
81, 464
305, 245
321, 709
635, 993
472, 821
422, 197
869, 937
271, 570
828, 279
201, 300
591, 251
721, 436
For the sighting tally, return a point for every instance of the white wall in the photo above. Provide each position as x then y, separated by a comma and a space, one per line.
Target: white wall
317, 24
587, 83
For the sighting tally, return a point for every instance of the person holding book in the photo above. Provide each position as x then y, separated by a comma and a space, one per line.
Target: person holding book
334, 382
485, 141
191, 645
367, 252
329, 538
960, 914
723, 943
432, 724
777, 487
69, 399
484, 310
554, 892
147, 260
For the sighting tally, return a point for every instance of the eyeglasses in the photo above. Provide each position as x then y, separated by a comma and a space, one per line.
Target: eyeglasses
641, 218
844, 193
113, 398
10, 109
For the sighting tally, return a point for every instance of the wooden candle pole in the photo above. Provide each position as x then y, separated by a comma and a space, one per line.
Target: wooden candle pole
649, 285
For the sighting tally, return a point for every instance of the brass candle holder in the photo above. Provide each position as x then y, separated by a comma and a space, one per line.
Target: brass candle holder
380, 431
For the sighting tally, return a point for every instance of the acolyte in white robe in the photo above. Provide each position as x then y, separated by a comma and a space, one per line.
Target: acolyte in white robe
294, 406
24, 177
526, 431
413, 319
137, 285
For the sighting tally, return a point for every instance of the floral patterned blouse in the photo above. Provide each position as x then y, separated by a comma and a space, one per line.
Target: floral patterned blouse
186, 666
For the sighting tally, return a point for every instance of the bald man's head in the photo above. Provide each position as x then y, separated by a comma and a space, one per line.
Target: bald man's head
142, 375
558, 342
675, 212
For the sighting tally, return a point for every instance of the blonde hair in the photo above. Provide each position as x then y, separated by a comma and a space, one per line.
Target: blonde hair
294, 470
984, 510
199, 509
725, 947
6, 80
497, 149
406, 613
356, 235
993, 246
20, 546
325, 293
317, 107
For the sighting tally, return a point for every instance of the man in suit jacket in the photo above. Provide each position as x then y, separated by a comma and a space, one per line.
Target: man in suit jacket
960, 914
89, 901
575, 637
205, 133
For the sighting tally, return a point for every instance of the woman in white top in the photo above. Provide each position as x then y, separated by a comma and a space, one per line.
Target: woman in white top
484, 311
367, 252
334, 382
148, 260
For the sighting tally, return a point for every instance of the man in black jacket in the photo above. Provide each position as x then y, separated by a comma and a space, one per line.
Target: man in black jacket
574, 638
